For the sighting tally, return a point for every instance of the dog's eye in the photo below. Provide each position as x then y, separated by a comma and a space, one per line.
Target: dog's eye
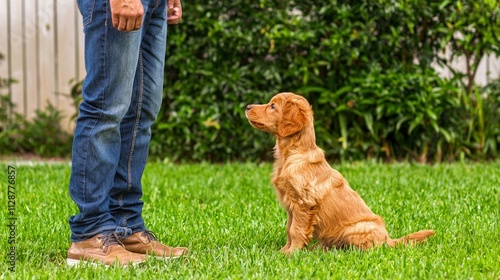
272, 106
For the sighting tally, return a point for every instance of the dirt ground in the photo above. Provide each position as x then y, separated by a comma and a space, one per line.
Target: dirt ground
32, 158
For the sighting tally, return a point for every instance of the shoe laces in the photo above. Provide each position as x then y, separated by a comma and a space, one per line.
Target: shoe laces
110, 239
149, 235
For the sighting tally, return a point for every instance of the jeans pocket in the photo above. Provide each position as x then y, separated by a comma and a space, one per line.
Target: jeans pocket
86, 8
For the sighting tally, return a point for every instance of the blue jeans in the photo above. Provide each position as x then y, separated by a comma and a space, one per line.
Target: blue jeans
122, 95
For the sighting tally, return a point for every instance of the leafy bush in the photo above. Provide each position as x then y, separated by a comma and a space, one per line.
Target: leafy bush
11, 125
42, 135
217, 63
392, 114
365, 66
483, 135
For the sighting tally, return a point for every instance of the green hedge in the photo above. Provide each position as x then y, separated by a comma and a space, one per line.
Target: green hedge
367, 67
42, 135
364, 65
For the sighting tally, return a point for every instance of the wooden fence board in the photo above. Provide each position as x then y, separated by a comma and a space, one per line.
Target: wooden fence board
4, 69
15, 37
46, 52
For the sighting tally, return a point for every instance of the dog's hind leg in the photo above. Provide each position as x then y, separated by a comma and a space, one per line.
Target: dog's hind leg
365, 235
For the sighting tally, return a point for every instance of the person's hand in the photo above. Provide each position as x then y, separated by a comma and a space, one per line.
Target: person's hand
126, 14
174, 11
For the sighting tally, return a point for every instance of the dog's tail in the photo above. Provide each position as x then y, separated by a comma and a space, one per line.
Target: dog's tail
412, 238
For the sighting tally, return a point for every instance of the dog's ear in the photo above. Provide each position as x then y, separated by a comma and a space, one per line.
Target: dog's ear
293, 119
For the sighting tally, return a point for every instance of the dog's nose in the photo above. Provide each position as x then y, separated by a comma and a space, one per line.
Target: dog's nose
249, 107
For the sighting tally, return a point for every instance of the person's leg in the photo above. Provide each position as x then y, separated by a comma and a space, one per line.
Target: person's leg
125, 202
111, 59
135, 129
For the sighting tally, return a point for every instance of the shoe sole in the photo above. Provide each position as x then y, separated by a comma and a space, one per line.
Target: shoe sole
73, 263
164, 258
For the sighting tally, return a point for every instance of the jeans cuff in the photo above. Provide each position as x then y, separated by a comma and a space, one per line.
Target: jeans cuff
123, 232
81, 237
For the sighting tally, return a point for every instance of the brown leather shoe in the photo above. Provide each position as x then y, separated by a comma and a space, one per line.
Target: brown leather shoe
102, 249
144, 242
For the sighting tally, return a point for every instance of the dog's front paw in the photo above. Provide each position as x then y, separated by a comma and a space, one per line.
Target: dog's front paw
288, 250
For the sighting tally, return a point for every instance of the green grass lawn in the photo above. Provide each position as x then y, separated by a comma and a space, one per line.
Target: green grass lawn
230, 219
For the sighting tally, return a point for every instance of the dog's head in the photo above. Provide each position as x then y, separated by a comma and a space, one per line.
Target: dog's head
286, 114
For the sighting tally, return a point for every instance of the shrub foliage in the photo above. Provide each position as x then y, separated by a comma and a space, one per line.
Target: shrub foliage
42, 135
367, 67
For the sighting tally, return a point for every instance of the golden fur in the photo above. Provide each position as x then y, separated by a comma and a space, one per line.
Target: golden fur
319, 202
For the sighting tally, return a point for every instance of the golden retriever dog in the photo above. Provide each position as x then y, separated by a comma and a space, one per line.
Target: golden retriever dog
319, 202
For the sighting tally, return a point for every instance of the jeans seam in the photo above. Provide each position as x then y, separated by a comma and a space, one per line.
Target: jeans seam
134, 135
137, 119
136, 124
124, 219
157, 4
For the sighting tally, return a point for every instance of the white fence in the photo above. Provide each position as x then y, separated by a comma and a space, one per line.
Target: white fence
42, 42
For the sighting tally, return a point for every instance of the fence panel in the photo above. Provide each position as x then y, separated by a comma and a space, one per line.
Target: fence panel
41, 42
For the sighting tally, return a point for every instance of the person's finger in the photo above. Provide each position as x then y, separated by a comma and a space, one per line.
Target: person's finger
138, 23
116, 21
130, 25
173, 20
122, 24
174, 15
